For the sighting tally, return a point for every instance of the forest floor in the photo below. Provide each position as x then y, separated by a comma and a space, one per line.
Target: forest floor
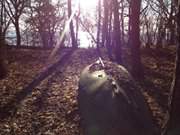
52, 109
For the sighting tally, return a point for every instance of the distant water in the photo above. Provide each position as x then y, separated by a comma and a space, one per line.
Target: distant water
85, 40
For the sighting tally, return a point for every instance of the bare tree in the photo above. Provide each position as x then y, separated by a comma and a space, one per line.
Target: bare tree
45, 20
117, 32
107, 28
137, 70
4, 24
122, 21
2, 65
109, 43
99, 28
4, 19
15, 9
105, 22
171, 23
73, 38
148, 31
161, 33
77, 21
165, 15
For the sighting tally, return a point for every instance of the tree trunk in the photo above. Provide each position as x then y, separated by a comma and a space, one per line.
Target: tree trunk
109, 38
3, 70
73, 39
77, 23
129, 27
173, 126
172, 34
105, 23
149, 41
99, 28
122, 22
161, 34
117, 32
44, 39
51, 39
18, 34
172, 25
137, 70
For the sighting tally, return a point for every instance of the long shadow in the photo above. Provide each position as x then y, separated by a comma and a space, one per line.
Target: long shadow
155, 74
164, 53
10, 109
158, 92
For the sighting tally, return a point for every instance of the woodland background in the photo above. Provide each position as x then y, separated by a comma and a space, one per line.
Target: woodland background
41, 58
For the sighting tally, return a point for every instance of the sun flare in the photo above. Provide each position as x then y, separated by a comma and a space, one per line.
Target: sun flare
88, 4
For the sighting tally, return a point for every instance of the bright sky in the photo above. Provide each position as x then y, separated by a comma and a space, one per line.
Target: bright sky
88, 4
87, 7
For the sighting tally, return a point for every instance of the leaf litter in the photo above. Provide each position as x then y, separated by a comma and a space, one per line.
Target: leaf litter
52, 107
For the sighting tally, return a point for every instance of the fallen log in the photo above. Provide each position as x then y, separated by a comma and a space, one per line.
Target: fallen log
111, 103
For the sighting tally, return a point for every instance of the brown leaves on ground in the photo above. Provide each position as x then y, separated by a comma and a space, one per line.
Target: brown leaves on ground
52, 107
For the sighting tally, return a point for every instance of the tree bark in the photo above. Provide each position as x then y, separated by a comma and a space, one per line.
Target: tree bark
109, 38
137, 70
172, 35
160, 37
161, 31
105, 23
117, 32
44, 37
14, 10
77, 23
149, 40
18, 34
73, 39
122, 22
172, 25
129, 27
99, 28
3, 70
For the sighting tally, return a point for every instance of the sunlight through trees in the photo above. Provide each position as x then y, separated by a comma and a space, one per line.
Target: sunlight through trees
45, 45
